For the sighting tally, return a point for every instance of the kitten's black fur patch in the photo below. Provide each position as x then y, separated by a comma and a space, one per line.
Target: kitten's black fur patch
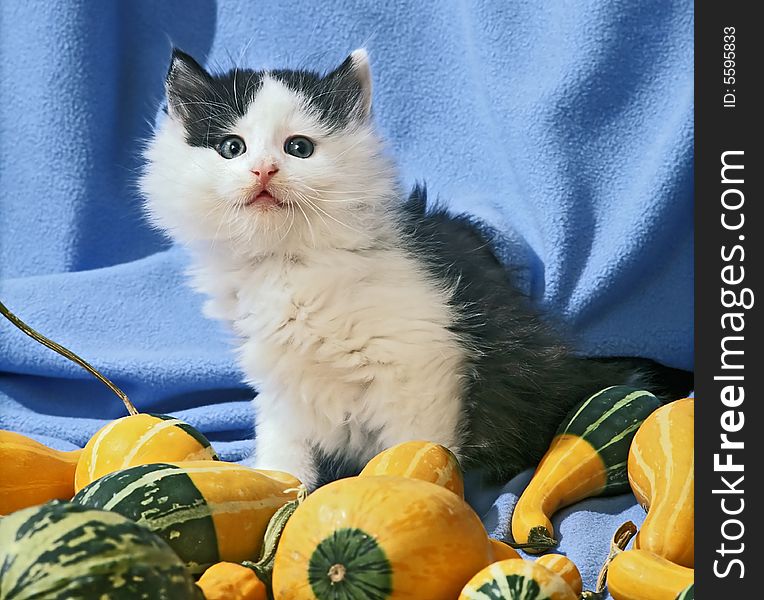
210, 104
337, 97
332, 467
523, 379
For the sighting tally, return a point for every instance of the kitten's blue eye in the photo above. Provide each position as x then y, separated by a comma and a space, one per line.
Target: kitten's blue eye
231, 147
299, 146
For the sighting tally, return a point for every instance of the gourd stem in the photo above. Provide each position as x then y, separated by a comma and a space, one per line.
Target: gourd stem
538, 539
69, 355
263, 568
337, 573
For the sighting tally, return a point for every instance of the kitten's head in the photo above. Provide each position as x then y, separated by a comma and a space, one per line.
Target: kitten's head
267, 160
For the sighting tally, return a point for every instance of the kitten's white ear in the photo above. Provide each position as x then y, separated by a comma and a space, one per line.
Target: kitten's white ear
186, 80
362, 71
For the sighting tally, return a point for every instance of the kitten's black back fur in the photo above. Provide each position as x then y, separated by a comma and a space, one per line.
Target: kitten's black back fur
523, 379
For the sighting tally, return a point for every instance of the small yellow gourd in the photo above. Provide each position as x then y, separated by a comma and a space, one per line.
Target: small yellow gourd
139, 439
502, 551
32, 473
661, 471
565, 568
289, 480
419, 460
642, 575
517, 579
231, 581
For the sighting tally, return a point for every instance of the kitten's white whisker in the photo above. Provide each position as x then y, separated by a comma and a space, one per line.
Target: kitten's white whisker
331, 92
318, 192
248, 86
350, 202
290, 210
205, 103
360, 140
244, 50
336, 220
235, 94
307, 220
331, 191
310, 205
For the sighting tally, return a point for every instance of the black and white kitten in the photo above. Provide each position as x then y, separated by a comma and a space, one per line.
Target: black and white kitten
363, 320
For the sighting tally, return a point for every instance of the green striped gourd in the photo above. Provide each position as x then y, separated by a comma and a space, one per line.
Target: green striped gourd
63, 551
517, 579
687, 593
207, 511
139, 439
587, 457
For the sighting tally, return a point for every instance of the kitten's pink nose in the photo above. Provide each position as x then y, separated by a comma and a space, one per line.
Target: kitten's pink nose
265, 172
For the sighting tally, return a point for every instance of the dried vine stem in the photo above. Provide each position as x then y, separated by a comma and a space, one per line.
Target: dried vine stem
621, 539
65, 352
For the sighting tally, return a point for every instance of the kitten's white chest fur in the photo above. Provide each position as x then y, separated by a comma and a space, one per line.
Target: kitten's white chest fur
350, 352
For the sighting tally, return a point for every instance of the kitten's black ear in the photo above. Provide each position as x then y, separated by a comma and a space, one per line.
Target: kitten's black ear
356, 66
186, 81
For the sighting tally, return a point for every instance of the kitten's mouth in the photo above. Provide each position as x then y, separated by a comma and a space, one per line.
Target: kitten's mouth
263, 199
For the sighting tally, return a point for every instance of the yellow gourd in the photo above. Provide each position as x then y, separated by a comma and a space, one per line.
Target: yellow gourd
139, 439
565, 568
642, 575
379, 537
231, 581
662, 476
289, 480
31, 473
517, 579
502, 551
419, 460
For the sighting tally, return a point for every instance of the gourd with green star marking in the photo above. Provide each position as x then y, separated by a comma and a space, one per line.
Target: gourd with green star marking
207, 511
517, 579
379, 538
61, 551
586, 458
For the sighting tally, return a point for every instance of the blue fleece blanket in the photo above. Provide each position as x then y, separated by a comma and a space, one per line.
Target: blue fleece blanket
566, 126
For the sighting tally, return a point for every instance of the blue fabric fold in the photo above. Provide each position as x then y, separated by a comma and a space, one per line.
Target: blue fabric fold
567, 127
